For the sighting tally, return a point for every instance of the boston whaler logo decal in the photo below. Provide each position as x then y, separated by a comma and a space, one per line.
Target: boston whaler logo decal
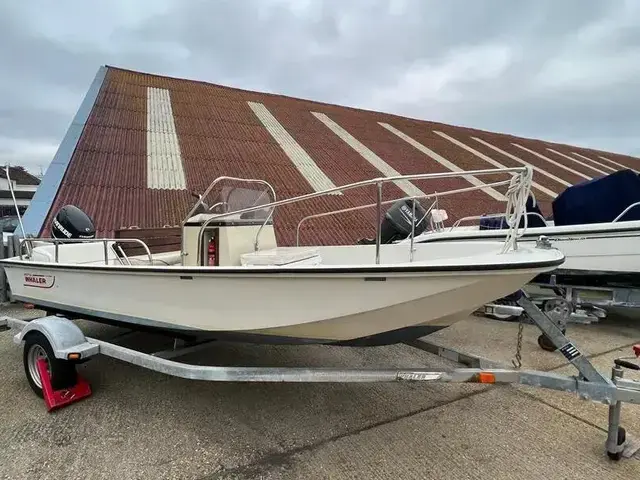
39, 281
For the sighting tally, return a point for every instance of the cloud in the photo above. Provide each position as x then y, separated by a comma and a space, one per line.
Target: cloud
446, 80
561, 71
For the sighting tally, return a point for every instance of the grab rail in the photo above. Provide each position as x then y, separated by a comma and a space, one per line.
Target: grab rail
414, 197
207, 222
525, 175
218, 180
104, 241
633, 205
491, 215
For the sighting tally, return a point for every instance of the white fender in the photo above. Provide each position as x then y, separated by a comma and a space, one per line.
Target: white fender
64, 336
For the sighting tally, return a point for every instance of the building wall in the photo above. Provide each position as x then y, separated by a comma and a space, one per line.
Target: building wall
20, 191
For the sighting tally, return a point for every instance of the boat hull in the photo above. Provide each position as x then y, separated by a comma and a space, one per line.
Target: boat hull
599, 249
308, 308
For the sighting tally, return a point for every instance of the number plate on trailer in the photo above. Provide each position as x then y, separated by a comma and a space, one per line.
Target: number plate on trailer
570, 351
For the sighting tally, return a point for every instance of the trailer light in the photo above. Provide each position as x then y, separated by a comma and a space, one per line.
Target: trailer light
73, 356
485, 377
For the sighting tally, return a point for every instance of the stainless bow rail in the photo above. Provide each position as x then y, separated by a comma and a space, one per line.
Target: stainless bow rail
435, 195
489, 215
633, 205
535, 214
523, 185
105, 241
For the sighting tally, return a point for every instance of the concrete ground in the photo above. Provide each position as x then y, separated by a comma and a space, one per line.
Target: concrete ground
140, 424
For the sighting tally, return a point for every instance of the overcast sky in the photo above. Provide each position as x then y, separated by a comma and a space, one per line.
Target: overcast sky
566, 71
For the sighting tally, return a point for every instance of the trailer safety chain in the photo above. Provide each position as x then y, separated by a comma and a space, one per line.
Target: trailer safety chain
518, 361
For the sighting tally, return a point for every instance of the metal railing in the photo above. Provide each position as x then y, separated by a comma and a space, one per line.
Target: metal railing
535, 214
210, 220
521, 186
633, 205
491, 215
435, 195
360, 207
105, 241
15, 202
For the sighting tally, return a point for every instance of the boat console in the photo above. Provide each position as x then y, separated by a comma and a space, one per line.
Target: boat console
218, 236
221, 242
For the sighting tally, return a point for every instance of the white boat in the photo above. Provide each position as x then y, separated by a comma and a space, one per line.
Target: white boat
229, 278
596, 225
591, 249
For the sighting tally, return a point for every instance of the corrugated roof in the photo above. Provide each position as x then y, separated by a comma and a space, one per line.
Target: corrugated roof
150, 140
20, 176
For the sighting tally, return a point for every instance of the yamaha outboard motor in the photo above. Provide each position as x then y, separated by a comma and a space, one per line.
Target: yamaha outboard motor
397, 222
71, 222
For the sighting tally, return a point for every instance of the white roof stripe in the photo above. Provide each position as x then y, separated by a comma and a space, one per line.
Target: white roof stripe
624, 167
298, 156
539, 155
519, 160
492, 192
490, 160
406, 186
594, 162
577, 161
165, 169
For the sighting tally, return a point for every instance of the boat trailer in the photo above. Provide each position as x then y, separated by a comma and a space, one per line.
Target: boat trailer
580, 299
54, 345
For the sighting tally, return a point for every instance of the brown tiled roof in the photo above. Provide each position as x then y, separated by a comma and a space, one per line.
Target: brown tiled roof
219, 134
20, 176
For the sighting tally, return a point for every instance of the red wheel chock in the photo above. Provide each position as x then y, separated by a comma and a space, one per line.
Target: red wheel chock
55, 399
636, 350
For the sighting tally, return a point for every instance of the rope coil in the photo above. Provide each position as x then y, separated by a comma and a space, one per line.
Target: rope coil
517, 195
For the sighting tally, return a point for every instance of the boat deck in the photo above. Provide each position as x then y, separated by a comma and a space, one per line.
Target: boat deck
140, 424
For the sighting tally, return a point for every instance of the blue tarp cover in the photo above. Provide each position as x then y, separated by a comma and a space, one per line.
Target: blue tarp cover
599, 200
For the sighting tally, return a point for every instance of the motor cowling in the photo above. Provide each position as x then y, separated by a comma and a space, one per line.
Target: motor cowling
71, 222
397, 222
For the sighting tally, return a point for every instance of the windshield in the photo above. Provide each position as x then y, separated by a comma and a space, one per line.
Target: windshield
230, 195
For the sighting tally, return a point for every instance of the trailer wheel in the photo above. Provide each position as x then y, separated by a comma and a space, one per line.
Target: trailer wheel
62, 372
545, 342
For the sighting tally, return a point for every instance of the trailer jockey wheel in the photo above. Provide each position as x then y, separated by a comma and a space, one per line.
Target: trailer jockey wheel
62, 372
622, 439
558, 310
545, 343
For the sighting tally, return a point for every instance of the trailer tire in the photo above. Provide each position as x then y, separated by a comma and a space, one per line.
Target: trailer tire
545, 343
62, 372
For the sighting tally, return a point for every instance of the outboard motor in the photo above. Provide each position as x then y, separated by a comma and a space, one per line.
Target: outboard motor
71, 222
397, 222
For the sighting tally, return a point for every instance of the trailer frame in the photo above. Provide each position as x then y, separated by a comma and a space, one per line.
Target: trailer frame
68, 346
